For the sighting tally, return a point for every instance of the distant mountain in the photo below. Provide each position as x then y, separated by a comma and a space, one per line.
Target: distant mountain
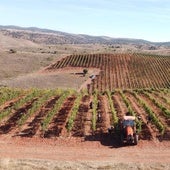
47, 36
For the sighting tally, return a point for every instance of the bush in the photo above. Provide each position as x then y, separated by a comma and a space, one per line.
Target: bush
12, 51
85, 71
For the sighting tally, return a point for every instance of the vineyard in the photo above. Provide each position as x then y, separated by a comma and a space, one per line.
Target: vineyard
121, 71
62, 113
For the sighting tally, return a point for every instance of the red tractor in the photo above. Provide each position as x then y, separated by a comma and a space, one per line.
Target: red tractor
127, 128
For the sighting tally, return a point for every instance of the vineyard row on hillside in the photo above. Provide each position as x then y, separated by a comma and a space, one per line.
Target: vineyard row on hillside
125, 71
54, 113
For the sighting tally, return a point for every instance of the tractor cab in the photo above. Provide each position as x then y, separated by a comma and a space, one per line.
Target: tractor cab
128, 121
128, 130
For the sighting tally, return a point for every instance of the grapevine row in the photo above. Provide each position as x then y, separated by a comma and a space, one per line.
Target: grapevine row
122, 71
156, 121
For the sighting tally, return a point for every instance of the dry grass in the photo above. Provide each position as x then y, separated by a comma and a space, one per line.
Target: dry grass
64, 80
12, 65
9, 42
62, 165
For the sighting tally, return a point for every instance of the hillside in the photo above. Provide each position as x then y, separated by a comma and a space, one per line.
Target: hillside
52, 116
10, 42
121, 71
110, 71
47, 36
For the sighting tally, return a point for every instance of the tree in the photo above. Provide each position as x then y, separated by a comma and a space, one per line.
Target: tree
85, 71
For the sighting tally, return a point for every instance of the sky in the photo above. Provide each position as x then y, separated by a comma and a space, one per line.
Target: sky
141, 19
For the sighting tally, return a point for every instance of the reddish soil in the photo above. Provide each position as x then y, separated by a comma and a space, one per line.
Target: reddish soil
82, 126
88, 119
10, 103
58, 124
82, 145
103, 121
148, 131
119, 105
79, 129
158, 112
100, 153
11, 123
32, 128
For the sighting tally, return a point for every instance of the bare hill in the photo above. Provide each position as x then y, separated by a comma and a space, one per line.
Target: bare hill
47, 36
10, 42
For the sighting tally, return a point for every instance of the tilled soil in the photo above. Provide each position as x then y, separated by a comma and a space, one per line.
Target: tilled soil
81, 153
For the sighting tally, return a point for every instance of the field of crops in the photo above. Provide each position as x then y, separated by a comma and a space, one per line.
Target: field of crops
122, 71
54, 113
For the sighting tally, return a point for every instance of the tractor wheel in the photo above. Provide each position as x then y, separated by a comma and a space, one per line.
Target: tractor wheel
121, 139
136, 138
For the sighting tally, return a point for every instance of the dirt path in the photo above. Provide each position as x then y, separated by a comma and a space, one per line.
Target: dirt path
104, 111
71, 153
80, 121
94, 72
88, 119
119, 105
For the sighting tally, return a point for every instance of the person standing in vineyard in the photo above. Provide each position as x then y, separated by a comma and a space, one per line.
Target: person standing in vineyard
149, 119
99, 117
91, 105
